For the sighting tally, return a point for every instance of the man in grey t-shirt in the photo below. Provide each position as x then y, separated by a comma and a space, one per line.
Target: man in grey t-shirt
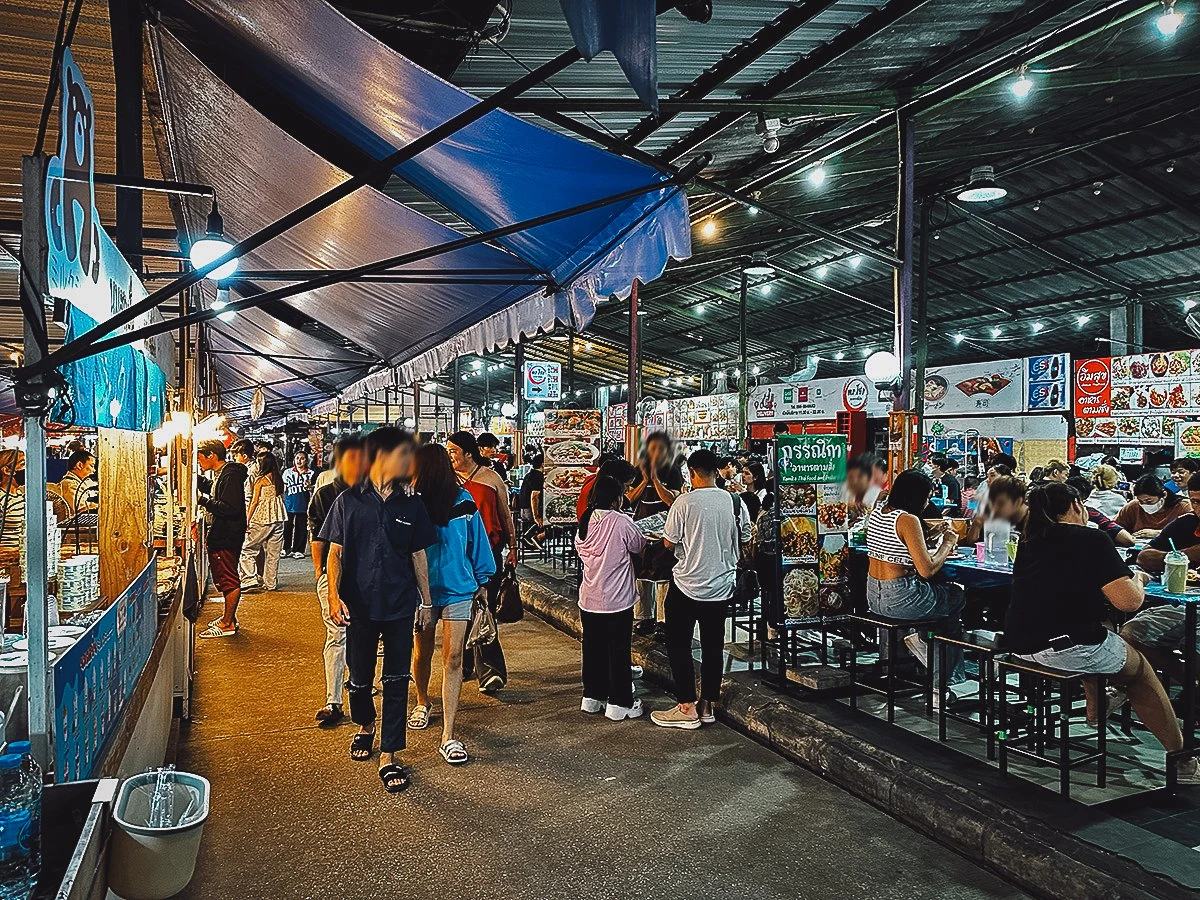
706, 527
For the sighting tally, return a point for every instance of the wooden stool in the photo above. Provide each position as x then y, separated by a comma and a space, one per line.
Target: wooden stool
1043, 708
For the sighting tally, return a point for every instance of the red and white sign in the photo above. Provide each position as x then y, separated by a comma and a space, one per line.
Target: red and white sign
820, 399
1093, 388
855, 394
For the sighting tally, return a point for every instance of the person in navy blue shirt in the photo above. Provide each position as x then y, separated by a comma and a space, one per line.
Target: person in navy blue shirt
377, 532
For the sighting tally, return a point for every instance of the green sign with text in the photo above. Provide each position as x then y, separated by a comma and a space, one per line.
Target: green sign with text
813, 458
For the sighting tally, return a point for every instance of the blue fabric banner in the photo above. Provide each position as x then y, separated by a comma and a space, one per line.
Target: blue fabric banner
625, 27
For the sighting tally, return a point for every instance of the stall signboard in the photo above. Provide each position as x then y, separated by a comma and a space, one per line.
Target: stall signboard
813, 525
614, 422
1187, 438
571, 445
710, 418
85, 269
1047, 380
95, 677
1136, 399
822, 398
984, 388
543, 381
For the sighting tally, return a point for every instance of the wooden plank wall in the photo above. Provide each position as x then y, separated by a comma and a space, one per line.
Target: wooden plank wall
122, 468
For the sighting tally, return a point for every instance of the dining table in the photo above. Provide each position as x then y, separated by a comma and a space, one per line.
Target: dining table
1190, 602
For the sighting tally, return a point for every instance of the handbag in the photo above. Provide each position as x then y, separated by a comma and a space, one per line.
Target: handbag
507, 597
483, 624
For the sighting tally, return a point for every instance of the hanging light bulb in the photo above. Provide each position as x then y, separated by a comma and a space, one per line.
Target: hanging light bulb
213, 246
855, 261
1170, 20
816, 175
708, 229
221, 302
841, 354
997, 331
982, 186
1037, 327
766, 289
1022, 85
1189, 304
699, 309
959, 338
822, 271
1083, 320
759, 265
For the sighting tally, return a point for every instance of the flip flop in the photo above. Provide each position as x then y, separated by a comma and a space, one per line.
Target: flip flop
362, 746
216, 631
454, 752
419, 718
217, 621
395, 778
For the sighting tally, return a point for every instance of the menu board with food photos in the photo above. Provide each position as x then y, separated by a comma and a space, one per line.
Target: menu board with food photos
1136, 399
813, 545
982, 388
710, 418
571, 445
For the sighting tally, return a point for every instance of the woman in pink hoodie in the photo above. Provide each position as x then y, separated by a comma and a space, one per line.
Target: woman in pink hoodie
608, 544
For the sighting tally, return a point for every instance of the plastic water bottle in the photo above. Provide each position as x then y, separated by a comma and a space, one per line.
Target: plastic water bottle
16, 828
33, 775
995, 539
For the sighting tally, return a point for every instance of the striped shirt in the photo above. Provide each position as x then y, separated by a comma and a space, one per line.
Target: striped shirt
883, 543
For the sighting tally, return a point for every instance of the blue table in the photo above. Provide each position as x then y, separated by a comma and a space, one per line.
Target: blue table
1190, 601
962, 568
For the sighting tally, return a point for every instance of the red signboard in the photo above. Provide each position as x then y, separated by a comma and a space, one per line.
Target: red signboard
1093, 387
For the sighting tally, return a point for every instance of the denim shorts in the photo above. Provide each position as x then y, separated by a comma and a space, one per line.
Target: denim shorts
459, 611
1160, 626
912, 597
1105, 658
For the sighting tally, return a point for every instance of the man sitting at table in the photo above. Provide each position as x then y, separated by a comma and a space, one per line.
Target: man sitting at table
1006, 501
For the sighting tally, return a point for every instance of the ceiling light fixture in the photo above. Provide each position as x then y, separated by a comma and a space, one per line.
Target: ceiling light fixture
1189, 304
753, 210
213, 246
822, 271
759, 265
1170, 167
699, 309
997, 331
1097, 186
1022, 85
1170, 20
766, 289
855, 261
816, 175
768, 129
1037, 327
221, 302
982, 186
708, 229
1083, 320
959, 338
841, 354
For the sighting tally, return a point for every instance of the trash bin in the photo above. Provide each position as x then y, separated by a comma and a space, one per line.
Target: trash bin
148, 863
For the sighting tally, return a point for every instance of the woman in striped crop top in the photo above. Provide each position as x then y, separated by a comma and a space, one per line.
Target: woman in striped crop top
901, 578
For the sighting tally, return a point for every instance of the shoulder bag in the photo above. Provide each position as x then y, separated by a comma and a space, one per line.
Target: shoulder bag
745, 587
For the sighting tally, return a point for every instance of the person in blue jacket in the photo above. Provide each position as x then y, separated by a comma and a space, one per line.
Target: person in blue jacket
460, 565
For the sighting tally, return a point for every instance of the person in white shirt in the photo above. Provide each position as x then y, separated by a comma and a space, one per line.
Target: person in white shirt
706, 528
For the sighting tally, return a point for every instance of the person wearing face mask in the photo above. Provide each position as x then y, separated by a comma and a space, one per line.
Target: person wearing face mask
1152, 508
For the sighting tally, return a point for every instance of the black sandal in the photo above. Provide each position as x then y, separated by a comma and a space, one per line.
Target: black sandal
362, 746
395, 778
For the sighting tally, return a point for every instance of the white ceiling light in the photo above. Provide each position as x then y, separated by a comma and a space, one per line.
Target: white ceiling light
1189, 304
816, 175
996, 331
855, 261
1170, 20
221, 302
841, 354
982, 186
959, 338
1037, 327
213, 246
1022, 85
1083, 320
822, 271
759, 265
766, 289
509, 408
882, 367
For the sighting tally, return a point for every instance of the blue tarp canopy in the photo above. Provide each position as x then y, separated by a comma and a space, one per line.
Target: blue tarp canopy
495, 172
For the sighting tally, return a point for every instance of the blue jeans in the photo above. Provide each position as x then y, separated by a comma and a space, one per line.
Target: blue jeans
912, 597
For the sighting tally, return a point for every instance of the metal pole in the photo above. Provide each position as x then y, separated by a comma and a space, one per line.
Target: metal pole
631, 417
744, 378
571, 362
519, 400
34, 254
417, 407
457, 396
903, 276
921, 354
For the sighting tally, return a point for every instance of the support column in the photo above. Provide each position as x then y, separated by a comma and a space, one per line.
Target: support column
1125, 328
125, 17
632, 426
903, 275
920, 317
519, 401
33, 284
571, 364
416, 407
744, 378
457, 395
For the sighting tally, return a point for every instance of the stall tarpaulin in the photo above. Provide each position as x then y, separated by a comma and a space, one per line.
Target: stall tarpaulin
1136, 399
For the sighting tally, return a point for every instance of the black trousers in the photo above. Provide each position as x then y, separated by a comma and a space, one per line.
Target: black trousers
606, 656
683, 613
295, 532
362, 651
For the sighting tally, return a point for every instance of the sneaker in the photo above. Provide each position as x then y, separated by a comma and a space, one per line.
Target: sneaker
706, 713
1114, 699
918, 647
636, 672
621, 713
1187, 771
675, 718
491, 683
591, 706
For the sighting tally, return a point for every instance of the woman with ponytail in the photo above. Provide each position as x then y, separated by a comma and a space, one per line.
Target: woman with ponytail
1064, 577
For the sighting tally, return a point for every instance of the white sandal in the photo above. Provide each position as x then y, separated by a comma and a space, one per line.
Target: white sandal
216, 631
454, 752
419, 718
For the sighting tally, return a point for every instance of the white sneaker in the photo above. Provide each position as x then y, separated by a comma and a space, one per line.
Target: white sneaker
636, 671
1187, 771
918, 647
620, 713
591, 706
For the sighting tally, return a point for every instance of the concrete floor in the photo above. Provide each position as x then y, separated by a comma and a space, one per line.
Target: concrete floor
555, 804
